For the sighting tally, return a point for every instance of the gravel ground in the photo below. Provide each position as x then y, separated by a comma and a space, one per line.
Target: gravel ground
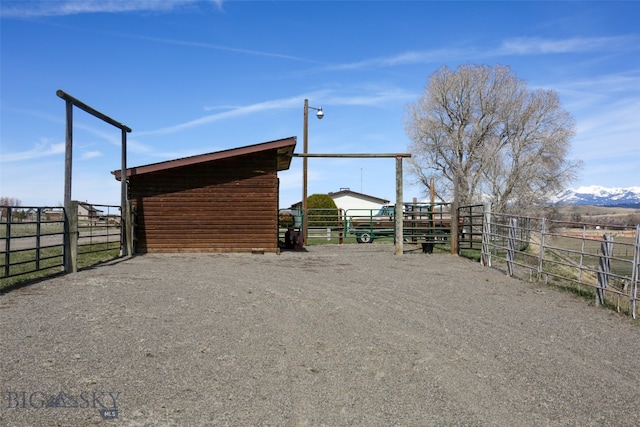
338, 335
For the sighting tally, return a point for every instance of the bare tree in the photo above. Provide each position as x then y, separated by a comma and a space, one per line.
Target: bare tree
484, 128
5, 203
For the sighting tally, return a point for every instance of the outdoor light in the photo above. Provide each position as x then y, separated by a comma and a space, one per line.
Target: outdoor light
305, 150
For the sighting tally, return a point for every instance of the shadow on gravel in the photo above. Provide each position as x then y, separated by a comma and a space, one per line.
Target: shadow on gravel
30, 282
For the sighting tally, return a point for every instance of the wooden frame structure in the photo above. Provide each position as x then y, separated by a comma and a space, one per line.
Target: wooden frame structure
399, 215
70, 263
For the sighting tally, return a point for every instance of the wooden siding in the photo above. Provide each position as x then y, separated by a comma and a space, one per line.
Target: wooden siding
229, 205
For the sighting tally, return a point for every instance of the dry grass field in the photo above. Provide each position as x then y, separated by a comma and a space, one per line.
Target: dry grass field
598, 214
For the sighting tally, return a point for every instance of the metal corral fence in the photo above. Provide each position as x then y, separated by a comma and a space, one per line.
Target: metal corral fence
422, 223
470, 230
585, 258
32, 239
325, 226
99, 228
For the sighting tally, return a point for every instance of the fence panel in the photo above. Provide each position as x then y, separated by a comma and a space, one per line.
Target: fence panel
325, 225
471, 219
602, 262
31, 239
422, 223
99, 228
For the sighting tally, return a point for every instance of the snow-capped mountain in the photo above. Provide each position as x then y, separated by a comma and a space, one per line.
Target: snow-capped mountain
600, 196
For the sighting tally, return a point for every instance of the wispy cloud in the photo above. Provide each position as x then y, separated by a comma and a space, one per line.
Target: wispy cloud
406, 58
91, 154
233, 113
39, 8
537, 45
44, 148
513, 46
370, 96
213, 47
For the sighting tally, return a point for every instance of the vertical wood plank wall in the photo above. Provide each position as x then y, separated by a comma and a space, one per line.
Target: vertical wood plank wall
228, 205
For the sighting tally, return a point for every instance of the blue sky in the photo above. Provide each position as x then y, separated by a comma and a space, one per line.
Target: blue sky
192, 77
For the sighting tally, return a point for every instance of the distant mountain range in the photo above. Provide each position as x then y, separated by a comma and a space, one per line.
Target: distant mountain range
600, 196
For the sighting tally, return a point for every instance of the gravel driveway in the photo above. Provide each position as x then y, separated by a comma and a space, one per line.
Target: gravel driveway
336, 336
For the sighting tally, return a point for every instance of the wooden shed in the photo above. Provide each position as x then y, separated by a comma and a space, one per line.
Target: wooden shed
225, 201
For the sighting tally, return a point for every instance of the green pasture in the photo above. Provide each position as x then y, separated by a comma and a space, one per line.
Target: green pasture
51, 260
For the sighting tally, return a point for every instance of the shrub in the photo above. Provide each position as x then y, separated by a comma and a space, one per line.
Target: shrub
286, 220
322, 211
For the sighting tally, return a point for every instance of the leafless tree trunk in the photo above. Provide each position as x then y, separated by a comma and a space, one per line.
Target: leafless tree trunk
483, 126
8, 201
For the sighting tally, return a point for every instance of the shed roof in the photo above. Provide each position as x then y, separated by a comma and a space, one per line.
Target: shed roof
284, 148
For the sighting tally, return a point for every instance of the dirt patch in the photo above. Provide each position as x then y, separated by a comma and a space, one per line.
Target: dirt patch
338, 335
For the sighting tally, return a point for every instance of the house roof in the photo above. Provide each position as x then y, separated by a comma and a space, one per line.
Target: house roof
347, 192
89, 207
284, 148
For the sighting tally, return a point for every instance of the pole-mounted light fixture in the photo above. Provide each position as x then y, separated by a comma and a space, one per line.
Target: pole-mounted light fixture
319, 112
305, 149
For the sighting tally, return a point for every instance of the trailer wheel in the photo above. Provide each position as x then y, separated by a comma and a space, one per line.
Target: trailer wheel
364, 238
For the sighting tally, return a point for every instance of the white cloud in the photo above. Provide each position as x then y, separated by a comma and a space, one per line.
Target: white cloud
44, 148
188, 43
36, 8
91, 155
369, 96
513, 46
537, 45
235, 112
406, 58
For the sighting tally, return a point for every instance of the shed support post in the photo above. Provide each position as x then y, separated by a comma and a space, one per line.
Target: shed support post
125, 221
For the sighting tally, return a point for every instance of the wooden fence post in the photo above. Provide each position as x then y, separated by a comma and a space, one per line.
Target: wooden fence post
635, 273
399, 213
485, 258
71, 259
543, 231
7, 253
341, 224
511, 244
606, 251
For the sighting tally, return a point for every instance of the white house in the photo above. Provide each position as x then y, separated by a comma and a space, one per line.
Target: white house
87, 211
351, 202
356, 203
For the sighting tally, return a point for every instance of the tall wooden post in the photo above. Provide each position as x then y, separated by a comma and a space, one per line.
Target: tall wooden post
399, 213
68, 162
454, 214
305, 150
125, 226
432, 191
72, 236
